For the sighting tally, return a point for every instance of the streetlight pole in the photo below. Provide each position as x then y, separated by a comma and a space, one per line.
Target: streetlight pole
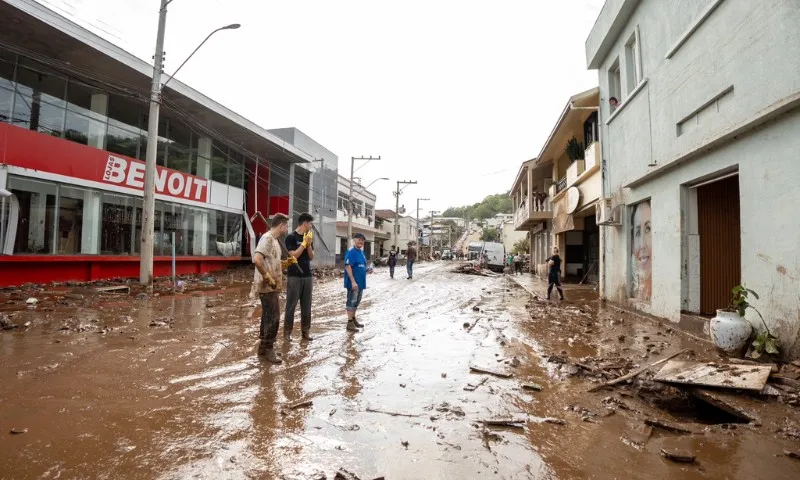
419, 232
433, 213
149, 201
397, 210
350, 197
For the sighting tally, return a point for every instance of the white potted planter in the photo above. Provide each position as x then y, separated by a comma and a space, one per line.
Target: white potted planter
730, 331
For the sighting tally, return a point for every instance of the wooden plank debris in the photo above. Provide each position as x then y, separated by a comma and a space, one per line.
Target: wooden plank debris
532, 387
471, 388
505, 422
394, 414
668, 426
745, 377
679, 456
732, 403
114, 289
635, 373
490, 372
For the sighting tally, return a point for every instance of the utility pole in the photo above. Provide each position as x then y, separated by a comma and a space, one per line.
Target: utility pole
419, 231
149, 206
149, 201
433, 213
350, 197
397, 209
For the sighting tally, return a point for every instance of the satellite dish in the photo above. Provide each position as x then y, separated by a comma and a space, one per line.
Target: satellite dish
573, 199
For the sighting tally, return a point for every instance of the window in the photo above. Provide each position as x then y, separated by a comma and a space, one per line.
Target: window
37, 214
179, 155
78, 220
614, 83
7, 62
117, 229
39, 103
633, 66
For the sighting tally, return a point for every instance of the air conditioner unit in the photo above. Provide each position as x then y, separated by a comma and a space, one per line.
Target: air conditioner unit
605, 214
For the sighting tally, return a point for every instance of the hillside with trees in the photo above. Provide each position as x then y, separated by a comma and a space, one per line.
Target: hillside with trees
487, 208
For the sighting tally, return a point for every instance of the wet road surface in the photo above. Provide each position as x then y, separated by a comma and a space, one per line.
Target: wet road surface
103, 394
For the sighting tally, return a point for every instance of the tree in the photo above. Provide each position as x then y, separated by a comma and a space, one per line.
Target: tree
487, 208
489, 235
522, 246
483, 212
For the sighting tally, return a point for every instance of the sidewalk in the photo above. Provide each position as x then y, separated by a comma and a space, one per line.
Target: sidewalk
572, 292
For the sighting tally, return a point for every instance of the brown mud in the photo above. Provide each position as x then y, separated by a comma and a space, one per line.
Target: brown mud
111, 386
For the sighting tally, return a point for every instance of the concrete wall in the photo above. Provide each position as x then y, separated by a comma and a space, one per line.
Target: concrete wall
697, 115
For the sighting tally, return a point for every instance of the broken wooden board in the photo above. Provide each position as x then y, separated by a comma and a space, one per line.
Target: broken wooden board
471, 388
114, 289
737, 405
490, 372
745, 377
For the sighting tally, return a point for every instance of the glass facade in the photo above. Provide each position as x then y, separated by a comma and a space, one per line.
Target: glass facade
37, 97
67, 220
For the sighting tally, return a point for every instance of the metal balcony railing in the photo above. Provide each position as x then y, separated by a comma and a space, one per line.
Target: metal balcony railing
562, 184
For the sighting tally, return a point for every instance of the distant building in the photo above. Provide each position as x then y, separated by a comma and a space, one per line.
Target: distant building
363, 219
400, 233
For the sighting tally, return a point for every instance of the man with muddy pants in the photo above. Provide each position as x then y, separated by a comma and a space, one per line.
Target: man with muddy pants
392, 262
554, 275
411, 257
355, 280
268, 280
300, 283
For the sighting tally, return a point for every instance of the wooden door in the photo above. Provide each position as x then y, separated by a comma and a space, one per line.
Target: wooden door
720, 243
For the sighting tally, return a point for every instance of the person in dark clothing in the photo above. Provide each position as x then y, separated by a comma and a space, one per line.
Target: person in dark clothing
392, 263
300, 283
554, 275
411, 257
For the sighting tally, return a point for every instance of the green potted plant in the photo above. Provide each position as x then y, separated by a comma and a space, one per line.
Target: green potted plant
574, 149
729, 329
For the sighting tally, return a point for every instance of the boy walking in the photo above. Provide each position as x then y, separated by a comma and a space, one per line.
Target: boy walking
355, 280
300, 283
268, 280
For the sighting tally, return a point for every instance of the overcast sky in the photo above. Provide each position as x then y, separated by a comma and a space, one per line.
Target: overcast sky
452, 93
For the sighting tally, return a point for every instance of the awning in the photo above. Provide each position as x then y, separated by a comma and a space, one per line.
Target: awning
563, 223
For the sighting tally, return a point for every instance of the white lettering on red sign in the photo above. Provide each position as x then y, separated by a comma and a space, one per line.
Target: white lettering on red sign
130, 173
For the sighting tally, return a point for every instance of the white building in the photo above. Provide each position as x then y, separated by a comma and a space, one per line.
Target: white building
399, 237
701, 156
509, 236
363, 220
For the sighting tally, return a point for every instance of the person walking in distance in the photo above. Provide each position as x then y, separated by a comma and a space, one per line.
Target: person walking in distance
355, 280
554, 275
300, 282
518, 264
411, 257
268, 280
392, 262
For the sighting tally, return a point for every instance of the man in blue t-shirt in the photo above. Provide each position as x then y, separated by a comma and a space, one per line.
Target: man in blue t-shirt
355, 279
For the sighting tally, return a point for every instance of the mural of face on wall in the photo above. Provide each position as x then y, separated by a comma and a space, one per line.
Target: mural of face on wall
641, 251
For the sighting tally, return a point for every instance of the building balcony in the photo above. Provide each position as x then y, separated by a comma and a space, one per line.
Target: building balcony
532, 211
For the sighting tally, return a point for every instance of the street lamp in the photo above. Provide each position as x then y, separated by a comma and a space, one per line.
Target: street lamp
148, 217
233, 26
373, 182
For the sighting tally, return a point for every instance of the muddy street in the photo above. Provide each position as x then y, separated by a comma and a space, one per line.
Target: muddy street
171, 387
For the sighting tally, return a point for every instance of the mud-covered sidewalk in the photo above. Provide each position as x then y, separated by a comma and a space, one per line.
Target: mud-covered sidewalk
114, 386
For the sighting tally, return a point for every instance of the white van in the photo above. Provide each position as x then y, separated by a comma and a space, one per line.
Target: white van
495, 256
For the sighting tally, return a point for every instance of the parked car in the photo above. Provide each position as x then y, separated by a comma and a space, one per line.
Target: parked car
447, 255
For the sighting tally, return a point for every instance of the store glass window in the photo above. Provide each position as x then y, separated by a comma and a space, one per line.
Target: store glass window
158, 240
173, 223
228, 241
78, 221
237, 169
39, 103
116, 236
37, 215
86, 122
7, 61
219, 163
125, 132
179, 152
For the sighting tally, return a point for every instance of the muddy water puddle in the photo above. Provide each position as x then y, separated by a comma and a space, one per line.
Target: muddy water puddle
189, 398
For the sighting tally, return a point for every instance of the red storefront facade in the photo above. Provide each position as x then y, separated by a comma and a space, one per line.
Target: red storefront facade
72, 145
